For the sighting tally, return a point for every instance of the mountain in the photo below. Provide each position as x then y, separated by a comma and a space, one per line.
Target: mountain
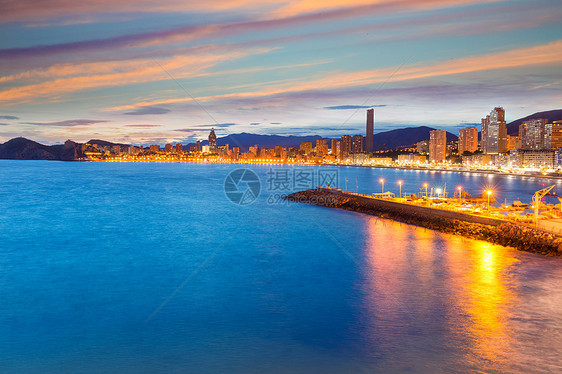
105, 143
25, 149
551, 115
406, 137
245, 140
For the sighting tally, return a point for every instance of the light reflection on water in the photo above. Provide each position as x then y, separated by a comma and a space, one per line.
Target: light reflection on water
446, 303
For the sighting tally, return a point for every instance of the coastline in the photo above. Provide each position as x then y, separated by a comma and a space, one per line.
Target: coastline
496, 231
430, 169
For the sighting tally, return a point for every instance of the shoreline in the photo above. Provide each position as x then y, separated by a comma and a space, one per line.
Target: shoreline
430, 169
496, 231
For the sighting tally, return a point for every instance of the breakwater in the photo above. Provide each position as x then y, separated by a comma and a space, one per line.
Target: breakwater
483, 228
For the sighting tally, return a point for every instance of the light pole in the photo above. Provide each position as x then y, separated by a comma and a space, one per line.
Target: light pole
425, 185
381, 181
460, 194
400, 184
489, 192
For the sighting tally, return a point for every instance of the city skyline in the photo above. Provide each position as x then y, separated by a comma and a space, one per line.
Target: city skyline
168, 72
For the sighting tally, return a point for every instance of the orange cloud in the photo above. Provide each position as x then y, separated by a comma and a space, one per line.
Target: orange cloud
550, 53
63, 79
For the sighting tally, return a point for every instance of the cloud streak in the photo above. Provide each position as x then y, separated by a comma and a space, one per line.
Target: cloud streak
147, 110
67, 123
550, 53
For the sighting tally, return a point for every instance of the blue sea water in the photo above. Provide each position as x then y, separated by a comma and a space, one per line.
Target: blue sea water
145, 267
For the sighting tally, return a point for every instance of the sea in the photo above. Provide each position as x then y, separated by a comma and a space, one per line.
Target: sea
204, 268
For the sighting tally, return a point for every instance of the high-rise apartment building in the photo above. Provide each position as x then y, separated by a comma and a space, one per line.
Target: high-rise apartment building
212, 141
179, 148
198, 146
468, 140
533, 134
345, 146
370, 131
334, 147
553, 135
357, 144
437, 145
321, 147
494, 132
306, 147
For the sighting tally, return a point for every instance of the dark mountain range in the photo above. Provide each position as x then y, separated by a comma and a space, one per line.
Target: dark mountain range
551, 115
406, 137
25, 149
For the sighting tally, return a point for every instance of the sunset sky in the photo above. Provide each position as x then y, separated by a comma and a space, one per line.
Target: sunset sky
144, 71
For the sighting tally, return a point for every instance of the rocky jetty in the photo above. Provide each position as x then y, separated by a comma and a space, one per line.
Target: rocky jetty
504, 233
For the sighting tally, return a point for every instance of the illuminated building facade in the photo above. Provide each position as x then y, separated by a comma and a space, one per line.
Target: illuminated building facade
212, 141
494, 132
468, 140
345, 146
437, 145
357, 144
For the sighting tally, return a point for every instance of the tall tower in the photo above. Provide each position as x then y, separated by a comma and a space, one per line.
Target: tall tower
212, 141
369, 136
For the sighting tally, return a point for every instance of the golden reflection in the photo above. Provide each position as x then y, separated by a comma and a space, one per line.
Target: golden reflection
421, 280
485, 287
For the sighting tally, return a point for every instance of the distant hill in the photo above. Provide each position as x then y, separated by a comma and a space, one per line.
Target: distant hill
25, 149
245, 140
551, 115
406, 137
105, 143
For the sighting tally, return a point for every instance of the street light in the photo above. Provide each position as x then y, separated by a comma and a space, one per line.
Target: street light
425, 185
382, 182
489, 192
400, 184
460, 194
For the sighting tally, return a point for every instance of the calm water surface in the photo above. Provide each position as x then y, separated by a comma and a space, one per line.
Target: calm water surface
143, 268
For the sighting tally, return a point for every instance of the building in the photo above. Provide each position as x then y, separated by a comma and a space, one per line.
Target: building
538, 159
494, 132
155, 148
423, 147
168, 148
370, 131
116, 149
411, 159
212, 141
468, 140
306, 147
334, 147
357, 144
345, 147
437, 145
533, 134
198, 146
321, 147
179, 148
513, 142
553, 135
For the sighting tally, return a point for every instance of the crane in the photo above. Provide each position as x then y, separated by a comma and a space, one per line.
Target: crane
537, 197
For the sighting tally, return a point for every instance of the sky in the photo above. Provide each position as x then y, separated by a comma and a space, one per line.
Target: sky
166, 71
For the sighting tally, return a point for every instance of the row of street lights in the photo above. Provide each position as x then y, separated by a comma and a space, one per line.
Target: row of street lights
425, 185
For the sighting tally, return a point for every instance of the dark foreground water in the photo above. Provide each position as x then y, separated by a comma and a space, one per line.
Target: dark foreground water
143, 268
